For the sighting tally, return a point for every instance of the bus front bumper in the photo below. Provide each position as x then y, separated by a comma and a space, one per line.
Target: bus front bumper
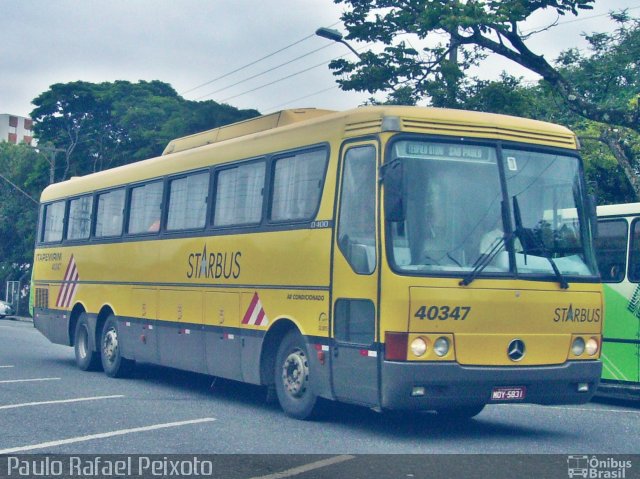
429, 386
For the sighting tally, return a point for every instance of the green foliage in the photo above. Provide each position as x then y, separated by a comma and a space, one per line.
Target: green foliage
99, 126
510, 96
110, 124
428, 47
28, 171
453, 34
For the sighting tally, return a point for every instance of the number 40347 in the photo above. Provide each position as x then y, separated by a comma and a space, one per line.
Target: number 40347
443, 313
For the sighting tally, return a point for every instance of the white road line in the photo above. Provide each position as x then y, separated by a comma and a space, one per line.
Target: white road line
60, 401
120, 432
5, 367
4, 381
566, 408
305, 468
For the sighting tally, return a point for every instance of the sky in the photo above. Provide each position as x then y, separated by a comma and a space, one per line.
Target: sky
213, 45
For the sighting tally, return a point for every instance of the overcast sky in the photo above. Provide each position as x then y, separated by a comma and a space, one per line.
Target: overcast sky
190, 42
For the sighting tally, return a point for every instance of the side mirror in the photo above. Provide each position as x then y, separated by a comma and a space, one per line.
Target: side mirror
392, 177
593, 215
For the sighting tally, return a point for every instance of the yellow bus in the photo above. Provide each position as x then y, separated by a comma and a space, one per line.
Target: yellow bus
393, 257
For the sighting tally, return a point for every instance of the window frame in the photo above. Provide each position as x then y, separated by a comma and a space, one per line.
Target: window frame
95, 212
630, 256
164, 221
272, 176
214, 192
340, 198
163, 199
92, 216
627, 252
45, 206
350, 341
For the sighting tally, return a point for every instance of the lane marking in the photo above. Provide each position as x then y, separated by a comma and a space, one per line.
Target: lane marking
539, 406
304, 468
91, 437
4, 381
4, 367
60, 401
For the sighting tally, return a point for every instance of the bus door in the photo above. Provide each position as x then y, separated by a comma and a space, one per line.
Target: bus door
354, 353
620, 354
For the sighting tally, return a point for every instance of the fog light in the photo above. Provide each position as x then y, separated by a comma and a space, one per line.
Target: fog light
418, 391
578, 346
592, 346
418, 347
583, 387
441, 346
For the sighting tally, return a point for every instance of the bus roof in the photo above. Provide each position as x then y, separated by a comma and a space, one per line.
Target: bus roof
302, 127
623, 209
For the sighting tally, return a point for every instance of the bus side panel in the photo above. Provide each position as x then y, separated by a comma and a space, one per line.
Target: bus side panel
53, 324
621, 328
222, 341
180, 329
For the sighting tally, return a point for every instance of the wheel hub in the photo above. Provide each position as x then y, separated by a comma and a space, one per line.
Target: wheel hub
110, 344
82, 343
295, 373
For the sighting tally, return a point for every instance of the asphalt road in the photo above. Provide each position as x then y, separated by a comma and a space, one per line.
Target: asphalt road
48, 406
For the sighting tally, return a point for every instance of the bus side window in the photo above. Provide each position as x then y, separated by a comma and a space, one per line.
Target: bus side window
611, 250
110, 213
145, 208
634, 252
355, 321
356, 225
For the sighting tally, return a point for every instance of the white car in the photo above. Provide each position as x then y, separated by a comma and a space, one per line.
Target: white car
5, 309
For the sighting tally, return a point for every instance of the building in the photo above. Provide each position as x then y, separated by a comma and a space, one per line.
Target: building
16, 129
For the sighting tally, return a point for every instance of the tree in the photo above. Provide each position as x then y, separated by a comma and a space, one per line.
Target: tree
509, 95
475, 28
110, 124
23, 174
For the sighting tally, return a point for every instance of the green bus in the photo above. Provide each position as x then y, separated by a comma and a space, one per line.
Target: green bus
618, 255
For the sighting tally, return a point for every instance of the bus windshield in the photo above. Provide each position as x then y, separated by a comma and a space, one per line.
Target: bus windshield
453, 211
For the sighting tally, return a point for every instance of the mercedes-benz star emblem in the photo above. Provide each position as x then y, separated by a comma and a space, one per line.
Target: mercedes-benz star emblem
516, 350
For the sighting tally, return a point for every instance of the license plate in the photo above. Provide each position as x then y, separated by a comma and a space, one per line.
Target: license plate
512, 393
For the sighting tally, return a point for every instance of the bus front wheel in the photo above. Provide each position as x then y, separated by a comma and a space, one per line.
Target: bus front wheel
292, 378
86, 358
113, 363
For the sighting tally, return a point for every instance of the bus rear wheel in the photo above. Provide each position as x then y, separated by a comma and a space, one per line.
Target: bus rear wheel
113, 363
86, 358
293, 387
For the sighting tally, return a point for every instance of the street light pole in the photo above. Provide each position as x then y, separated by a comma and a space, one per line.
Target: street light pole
336, 36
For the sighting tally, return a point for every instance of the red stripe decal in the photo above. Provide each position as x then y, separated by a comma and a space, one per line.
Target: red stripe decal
247, 315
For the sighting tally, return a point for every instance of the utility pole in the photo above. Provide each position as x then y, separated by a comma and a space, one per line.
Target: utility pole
51, 153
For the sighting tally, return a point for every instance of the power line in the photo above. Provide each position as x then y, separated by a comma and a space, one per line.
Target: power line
276, 81
252, 63
582, 19
247, 65
277, 107
288, 76
264, 72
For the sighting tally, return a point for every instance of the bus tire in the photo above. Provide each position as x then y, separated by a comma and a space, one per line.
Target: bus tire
293, 386
461, 412
86, 358
113, 363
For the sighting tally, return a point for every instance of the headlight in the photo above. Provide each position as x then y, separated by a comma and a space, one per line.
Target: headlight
578, 346
592, 346
441, 346
418, 347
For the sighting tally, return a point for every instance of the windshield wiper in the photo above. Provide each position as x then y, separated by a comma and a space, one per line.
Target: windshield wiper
523, 235
485, 259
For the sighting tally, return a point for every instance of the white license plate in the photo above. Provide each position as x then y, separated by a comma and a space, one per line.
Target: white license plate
512, 393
